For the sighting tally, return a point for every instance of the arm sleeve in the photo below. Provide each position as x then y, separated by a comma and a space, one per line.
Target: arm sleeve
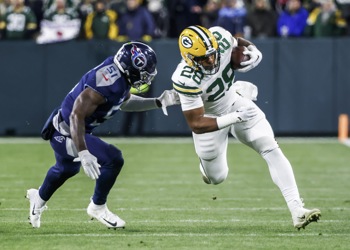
136, 104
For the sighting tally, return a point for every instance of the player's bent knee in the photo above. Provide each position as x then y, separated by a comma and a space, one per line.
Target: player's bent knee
264, 145
218, 178
116, 159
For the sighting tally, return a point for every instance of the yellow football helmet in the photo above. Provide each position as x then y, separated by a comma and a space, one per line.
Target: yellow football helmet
199, 49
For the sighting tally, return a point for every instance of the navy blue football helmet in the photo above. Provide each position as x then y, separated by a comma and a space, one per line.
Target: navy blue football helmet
138, 62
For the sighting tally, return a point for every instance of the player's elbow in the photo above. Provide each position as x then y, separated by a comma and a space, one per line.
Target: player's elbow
75, 117
199, 128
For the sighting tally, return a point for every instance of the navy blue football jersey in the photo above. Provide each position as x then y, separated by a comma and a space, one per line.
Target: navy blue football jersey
105, 79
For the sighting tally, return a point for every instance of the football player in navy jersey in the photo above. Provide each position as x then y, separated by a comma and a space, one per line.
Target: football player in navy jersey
99, 94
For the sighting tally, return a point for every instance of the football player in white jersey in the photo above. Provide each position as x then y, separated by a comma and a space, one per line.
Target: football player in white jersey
215, 106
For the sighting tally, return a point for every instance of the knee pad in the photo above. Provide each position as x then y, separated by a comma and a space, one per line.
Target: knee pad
215, 171
115, 157
264, 145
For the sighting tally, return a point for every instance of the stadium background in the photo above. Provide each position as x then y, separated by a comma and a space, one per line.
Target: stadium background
303, 84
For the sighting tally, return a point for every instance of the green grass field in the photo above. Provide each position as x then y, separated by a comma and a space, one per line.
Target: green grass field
166, 205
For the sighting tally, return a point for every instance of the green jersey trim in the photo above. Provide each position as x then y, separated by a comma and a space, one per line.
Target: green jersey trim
187, 90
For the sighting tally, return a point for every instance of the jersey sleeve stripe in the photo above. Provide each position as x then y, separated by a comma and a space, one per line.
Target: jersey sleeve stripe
186, 90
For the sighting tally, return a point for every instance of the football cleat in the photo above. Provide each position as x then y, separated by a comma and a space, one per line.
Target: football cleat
303, 217
35, 210
103, 215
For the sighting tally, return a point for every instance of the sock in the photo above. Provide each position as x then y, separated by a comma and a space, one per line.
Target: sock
104, 184
39, 200
282, 175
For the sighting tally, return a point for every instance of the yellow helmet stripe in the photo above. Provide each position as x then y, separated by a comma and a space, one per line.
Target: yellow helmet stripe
203, 35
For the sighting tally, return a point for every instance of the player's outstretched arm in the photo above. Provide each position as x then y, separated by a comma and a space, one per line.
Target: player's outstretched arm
137, 103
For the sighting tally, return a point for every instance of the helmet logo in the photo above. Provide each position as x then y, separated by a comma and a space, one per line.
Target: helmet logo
186, 42
138, 59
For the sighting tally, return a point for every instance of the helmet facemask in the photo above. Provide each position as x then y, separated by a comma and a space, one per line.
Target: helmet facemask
138, 63
136, 79
202, 63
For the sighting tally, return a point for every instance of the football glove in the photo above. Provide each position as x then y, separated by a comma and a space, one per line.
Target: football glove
242, 114
89, 164
255, 58
168, 98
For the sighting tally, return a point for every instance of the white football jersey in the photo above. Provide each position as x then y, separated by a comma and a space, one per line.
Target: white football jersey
214, 92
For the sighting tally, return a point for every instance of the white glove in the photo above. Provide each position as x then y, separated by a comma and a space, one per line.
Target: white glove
245, 113
89, 164
168, 98
242, 114
255, 58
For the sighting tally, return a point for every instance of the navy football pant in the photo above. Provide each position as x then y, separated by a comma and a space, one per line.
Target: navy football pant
108, 156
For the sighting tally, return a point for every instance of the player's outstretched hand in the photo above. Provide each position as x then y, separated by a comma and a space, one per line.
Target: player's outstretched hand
169, 98
89, 164
246, 113
255, 58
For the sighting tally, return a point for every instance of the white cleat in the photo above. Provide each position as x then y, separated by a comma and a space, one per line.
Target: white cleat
303, 217
103, 215
35, 210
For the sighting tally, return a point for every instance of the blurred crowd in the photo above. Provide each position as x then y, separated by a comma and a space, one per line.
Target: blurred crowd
121, 20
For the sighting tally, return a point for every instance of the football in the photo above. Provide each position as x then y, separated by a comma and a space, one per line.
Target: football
237, 57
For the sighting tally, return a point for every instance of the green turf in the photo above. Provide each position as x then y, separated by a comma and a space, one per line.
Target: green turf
166, 205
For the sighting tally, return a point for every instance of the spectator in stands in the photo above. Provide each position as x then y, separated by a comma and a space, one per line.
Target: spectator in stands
310, 5
292, 21
344, 7
101, 24
3, 6
18, 23
136, 24
210, 13
119, 6
325, 21
51, 5
59, 24
262, 20
160, 16
232, 17
84, 8
37, 8
183, 13
280, 5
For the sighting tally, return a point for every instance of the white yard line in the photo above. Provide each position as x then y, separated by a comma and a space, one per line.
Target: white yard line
185, 234
180, 209
169, 140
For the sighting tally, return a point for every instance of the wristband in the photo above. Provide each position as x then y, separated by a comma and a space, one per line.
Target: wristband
83, 153
227, 120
